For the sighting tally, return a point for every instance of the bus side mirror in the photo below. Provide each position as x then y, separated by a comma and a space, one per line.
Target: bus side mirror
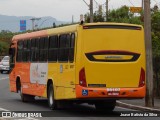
11, 51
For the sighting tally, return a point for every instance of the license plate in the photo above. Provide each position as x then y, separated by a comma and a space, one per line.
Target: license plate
113, 93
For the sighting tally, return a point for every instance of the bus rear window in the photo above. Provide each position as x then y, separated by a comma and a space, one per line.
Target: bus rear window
112, 27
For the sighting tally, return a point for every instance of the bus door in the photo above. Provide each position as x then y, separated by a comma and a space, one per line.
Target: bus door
12, 58
12, 51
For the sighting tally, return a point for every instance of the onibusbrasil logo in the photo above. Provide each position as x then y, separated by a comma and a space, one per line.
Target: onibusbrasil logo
20, 114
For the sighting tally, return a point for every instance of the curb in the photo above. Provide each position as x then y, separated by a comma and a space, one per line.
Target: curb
136, 107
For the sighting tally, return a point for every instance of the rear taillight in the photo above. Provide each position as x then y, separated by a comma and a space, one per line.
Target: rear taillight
142, 78
82, 78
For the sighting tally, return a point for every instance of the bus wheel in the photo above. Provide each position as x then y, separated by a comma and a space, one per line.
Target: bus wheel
24, 97
51, 101
107, 106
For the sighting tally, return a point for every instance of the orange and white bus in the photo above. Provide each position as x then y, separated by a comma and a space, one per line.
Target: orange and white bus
96, 63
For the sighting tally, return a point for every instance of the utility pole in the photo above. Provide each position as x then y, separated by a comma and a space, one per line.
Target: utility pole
100, 9
91, 11
106, 10
72, 19
149, 99
33, 22
142, 4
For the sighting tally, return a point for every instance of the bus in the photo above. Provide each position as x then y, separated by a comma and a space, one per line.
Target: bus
94, 63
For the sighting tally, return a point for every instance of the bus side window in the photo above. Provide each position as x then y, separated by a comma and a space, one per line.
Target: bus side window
24, 55
41, 49
46, 48
19, 51
37, 49
64, 45
53, 48
72, 46
28, 50
32, 50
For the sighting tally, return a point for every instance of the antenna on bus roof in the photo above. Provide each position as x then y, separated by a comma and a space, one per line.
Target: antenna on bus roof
81, 19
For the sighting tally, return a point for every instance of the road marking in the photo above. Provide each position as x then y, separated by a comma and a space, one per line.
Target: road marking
141, 107
2, 109
126, 108
4, 78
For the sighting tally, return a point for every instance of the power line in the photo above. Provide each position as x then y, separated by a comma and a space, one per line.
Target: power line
103, 6
156, 2
131, 3
105, 2
33, 22
96, 2
86, 3
43, 22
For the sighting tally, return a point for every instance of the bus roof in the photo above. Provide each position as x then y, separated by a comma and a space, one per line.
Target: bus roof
30, 35
46, 32
65, 29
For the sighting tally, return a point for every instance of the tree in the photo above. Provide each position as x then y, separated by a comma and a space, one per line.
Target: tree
3, 48
98, 16
122, 15
5, 40
156, 47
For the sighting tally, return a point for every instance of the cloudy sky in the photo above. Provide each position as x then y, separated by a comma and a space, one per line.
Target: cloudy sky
60, 9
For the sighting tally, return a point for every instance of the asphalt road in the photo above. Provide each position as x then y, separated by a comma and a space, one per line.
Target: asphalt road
11, 102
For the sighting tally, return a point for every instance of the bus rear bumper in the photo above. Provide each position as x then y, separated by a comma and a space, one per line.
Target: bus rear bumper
85, 92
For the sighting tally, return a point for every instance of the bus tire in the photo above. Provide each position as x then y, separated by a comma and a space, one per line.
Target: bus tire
51, 101
25, 97
107, 106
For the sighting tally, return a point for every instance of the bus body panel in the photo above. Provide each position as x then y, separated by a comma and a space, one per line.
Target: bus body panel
109, 93
111, 58
110, 69
21, 70
63, 80
63, 74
